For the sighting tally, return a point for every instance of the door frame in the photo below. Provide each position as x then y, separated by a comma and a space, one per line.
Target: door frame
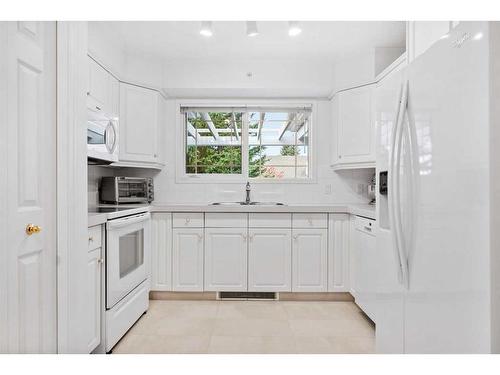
72, 214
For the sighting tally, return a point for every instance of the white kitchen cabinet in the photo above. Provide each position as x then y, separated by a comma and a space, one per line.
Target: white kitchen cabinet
355, 135
269, 260
93, 287
338, 252
187, 259
309, 260
141, 115
225, 259
363, 265
161, 251
98, 86
421, 35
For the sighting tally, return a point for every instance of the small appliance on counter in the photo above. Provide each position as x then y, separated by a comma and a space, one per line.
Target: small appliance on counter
118, 190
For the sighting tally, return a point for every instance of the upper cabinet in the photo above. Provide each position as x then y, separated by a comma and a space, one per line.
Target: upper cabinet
421, 35
355, 129
102, 91
142, 113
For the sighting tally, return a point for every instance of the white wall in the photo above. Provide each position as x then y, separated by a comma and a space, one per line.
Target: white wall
344, 185
210, 80
248, 79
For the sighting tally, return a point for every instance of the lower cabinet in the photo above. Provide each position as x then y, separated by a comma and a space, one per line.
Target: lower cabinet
226, 259
338, 252
309, 260
161, 251
93, 291
269, 260
187, 259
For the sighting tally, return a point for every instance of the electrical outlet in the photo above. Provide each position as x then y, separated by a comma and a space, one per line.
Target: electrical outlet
328, 189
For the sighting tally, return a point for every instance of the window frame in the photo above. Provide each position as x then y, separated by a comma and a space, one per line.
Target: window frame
180, 160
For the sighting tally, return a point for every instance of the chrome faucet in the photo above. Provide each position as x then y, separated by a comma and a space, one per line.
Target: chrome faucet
247, 200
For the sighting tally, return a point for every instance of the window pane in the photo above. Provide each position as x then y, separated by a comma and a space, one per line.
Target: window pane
278, 144
213, 142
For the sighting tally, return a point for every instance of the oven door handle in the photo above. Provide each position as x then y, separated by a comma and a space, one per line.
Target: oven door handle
120, 223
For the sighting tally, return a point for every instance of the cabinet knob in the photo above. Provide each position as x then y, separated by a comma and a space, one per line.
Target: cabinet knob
295, 237
91, 239
244, 236
200, 237
100, 261
187, 221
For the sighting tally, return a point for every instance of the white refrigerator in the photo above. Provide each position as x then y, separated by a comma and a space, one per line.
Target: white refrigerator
437, 248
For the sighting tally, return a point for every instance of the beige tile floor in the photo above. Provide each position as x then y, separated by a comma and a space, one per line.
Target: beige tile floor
253, 327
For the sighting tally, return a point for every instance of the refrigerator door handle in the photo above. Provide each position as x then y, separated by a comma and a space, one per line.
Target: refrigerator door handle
396, 188
394, 170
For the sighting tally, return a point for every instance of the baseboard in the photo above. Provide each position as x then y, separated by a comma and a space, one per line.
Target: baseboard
185, 296
283, 296
334, 296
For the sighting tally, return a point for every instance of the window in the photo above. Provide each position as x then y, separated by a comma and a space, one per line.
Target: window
263, 143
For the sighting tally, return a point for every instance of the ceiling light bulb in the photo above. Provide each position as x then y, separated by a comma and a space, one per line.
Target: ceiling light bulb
252, 28
294, 28
206, 28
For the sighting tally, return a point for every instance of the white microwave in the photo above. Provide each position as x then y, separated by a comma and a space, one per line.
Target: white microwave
102, 139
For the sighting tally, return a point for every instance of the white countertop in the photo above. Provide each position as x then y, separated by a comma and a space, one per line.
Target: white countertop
365, 210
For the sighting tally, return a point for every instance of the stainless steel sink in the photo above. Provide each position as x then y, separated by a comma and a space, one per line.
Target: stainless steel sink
266, 204
228, 204
248, 204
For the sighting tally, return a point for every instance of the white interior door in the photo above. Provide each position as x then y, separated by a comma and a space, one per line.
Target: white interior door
28, 125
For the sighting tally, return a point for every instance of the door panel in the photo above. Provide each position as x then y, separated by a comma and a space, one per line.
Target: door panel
269, 260
309, 263
30, 128
187, 260
225, 259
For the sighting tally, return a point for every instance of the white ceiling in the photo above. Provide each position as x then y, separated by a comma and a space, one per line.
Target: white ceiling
319, 41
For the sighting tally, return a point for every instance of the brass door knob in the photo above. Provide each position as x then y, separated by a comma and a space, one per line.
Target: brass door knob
31, 229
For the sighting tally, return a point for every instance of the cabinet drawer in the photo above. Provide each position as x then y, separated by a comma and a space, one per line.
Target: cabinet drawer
226, 220
364, 225
187, 219
271, 220
310, 221
95, 237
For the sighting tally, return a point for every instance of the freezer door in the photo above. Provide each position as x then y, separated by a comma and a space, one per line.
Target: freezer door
446, 233
389, 290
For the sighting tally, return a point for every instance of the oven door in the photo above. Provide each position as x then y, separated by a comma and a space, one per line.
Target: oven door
127, 255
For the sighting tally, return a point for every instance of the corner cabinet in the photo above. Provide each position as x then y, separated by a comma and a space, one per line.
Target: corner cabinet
338, 252
355, 135
142, 116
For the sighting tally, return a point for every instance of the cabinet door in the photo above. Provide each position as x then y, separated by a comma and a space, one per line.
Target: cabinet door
309, 260
187, 259
355, 127
114, 98
93, 299
225, 259
269, 260
138, 124
338, 252
421, 35
159, 154
161, 251
98, 91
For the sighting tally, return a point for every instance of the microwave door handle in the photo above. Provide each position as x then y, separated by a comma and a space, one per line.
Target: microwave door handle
115, 224
110, 128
